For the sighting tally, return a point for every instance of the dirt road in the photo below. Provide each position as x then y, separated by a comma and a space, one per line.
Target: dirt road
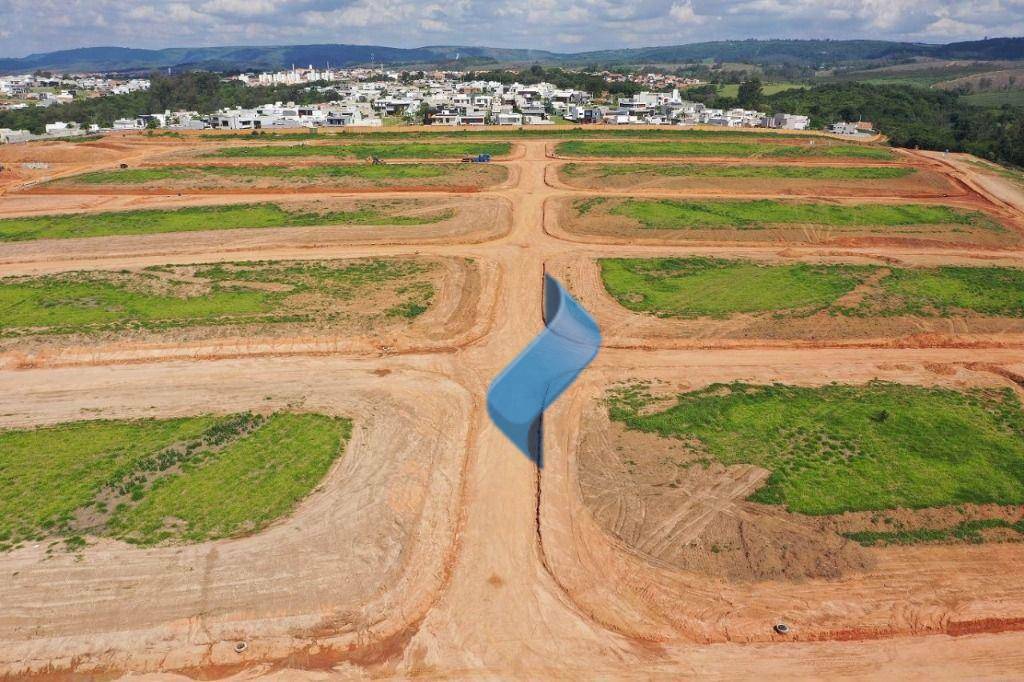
435, 548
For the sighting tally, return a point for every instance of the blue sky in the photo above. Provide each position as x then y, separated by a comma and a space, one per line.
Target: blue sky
562, 25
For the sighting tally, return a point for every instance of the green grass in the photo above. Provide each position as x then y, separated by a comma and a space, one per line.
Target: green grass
192, 172
409, 150
842, 448
944, 291
736, 149
965, 531
669, 214
190, 219
215, 476
709, 287
699, 287
733, 89
162, 297
744, 171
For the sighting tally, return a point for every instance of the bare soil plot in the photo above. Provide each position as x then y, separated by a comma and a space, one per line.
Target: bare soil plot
740, 179
60, 152
809, 469
768, 148
443, 219
697, 301
639, 220
376, 531
362, 150
687, 545
283, 178
395, 213
362, 304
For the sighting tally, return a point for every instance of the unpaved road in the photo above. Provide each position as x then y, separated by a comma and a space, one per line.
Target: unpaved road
434, 548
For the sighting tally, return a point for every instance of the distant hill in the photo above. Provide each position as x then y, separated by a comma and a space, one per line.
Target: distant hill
803, 52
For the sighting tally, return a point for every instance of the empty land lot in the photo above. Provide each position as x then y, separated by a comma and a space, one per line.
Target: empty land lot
829, 468
220, 217
397, 150
739, 179
676, 220
782, 148
198, 177
359, 301
215, 476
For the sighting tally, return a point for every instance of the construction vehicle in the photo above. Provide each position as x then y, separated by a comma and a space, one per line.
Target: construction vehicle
479, 158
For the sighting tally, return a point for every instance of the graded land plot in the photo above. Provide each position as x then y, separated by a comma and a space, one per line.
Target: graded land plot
287, 178
360, 301
155, 481
638, 220
66, 228
394, 150
695, 299
739, 179
813, 474
396, 213
764, 148
713, 497
273, 505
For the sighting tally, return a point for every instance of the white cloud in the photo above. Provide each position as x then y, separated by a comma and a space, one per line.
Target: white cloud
684, 14
46, 25
242, 8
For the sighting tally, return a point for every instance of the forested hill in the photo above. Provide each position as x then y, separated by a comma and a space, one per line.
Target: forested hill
797, 52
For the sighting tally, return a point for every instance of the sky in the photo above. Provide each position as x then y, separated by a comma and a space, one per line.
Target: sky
28, 26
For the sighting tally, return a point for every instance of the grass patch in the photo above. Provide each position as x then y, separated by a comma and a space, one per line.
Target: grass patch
670, 214
719, 171
842, 448
732, 90
947, 290
197, 218
409, 150
149, 481
134, 176
737, 149
709, 287
162, 297
966, 531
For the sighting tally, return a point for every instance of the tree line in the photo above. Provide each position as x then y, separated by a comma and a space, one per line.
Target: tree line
200, 91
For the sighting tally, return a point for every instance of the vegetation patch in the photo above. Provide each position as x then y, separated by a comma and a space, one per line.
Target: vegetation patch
712, 287
736, 149
842, 448
409, 150
138, 176
709, 287
972, 532
200, 218
151, 481
740, 171
315, 293
670, 214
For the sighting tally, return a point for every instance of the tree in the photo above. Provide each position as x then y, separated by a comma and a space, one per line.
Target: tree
750, 94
